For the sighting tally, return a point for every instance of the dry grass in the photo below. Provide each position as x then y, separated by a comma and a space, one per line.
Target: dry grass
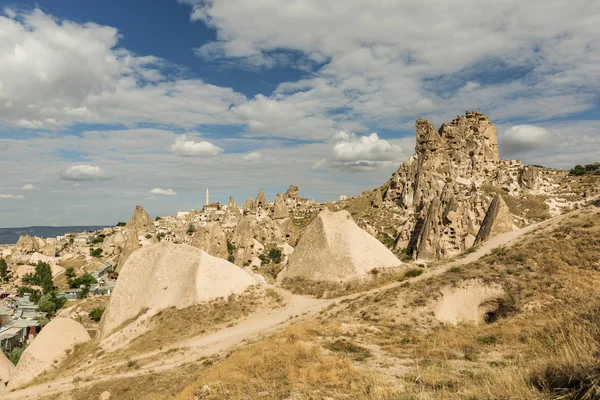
153, 386
284, 365
330, 290
528, 206
76, 262
172, 325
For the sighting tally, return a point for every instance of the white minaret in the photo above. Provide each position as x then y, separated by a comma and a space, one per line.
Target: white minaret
207, 196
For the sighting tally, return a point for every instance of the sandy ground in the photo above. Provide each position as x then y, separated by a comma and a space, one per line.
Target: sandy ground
268, 321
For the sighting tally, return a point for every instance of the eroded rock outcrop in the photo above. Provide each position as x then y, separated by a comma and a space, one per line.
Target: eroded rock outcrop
498, 219
27, 244
167, 275
141, 221
249, 206
438, 190
280, 209
261, 200
48, 348
211, 239
333, 248
131, 244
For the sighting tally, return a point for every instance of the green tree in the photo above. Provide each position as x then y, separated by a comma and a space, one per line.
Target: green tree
42, 277
15, 354
96, 252
84, 280
70, 272
578, 170
3, 268
96, 313
275, 255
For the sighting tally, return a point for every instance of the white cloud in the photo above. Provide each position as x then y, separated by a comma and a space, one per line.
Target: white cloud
163, 192
381, 66
28, 186
362, 153
11, 196
84, 173
191, 148
520, 138
56, 73
252, 156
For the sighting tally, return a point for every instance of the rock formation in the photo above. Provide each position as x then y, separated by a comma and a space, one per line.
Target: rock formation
211, 239
261, 200
141, 221
27, 245
280, 209
169, 275
48, 347
243, 240
132, 243
333, 248
232, 214
498, 219
438, 189
249, 206
6, 370
113, 244
292, 193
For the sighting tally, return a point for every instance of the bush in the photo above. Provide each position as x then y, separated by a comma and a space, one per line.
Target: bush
275, 255
3, 268
15, 354
411, 273
160, 236
578, 170
84, 280
354, 351
96, 252
191, 229
70, 272
121, 223
96, 314
455, 269
148, 236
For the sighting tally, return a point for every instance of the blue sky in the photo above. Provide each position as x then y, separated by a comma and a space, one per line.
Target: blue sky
108, 104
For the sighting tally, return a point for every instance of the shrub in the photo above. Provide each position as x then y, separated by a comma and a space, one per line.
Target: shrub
578, 170
160, 236
96, 252
15, 354
486, 340
455, 269
411, 273
354, 351
70, 272
148, 236
3, 268
96, 314
191, 229
275, 255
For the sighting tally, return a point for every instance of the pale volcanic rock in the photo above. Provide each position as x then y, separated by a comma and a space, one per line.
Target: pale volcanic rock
6, 370
48, 347
27, 245
113, 244
280, 209
437, 191
211, 239
132, 243
333, 248
169, 275
141, 221
292, 193
498, 219
470, 302
261, 200
249, 206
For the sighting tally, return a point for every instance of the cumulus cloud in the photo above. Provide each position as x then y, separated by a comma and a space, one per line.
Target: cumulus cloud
82, 173
191, 148
252, 156
57, 72
521, 138
28, 186
380, 66
163, 192
11, 196
351, 151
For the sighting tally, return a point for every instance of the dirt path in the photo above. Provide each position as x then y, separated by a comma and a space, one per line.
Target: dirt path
267, 321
